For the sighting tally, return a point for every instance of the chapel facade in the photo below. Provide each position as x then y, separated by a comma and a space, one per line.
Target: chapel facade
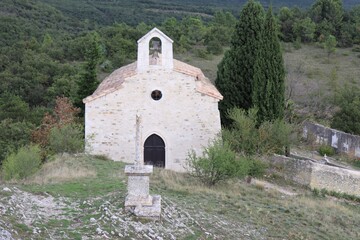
177, 104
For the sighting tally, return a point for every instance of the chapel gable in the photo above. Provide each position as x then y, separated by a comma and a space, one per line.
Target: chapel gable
155, 50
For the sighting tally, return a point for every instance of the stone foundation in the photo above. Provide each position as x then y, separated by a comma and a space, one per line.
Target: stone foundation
138, 199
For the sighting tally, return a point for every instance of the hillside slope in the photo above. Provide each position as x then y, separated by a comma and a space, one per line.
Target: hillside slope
105, 12
82, 197
20, 20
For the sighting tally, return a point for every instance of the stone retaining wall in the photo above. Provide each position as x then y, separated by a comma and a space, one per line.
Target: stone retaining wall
341, 141
317, 175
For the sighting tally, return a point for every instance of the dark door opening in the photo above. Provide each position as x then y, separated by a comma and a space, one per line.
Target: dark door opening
154, 151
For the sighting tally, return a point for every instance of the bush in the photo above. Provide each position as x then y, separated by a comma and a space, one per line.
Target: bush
13, 136
256, 167
356, 49
326, 149
347, 118
23, 163
356, 163
67, 138
243, 136
202, 53
268, 138
218, 163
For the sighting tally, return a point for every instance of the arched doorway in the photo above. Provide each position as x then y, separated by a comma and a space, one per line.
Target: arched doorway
154, 151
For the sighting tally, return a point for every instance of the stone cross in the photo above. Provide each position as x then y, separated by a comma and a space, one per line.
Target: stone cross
138, 200
138, 161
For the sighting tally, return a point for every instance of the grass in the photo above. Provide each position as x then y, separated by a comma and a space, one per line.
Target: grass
241, 206
304, 217
88, 177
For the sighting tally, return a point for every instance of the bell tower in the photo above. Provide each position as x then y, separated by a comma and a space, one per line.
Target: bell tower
155, 51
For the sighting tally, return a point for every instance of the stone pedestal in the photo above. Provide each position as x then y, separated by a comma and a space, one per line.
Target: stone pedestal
138, 199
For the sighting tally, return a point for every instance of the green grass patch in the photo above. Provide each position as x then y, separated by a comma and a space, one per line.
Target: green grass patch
109, 178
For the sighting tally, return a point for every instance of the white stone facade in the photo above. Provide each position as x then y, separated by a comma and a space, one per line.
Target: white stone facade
186, 117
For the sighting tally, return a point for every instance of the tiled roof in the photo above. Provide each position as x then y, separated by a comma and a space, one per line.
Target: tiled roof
114, 80
203, 84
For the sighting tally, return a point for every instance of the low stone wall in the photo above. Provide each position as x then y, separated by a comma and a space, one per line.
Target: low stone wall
317, 175
341, 141
292, 169
335, 179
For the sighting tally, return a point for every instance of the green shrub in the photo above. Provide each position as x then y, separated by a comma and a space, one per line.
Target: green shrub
23, 163
275, 136
243, 136
256, 167
68, 138
217, 163
326, 149
202, 53
247, 138
357, 163
347, 118
215, 47
13, 136
356, 49
324, 192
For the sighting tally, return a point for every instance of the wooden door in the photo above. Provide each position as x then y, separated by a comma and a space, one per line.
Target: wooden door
154, 151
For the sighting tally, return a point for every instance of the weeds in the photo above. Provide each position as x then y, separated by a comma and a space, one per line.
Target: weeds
323, 193
326, 150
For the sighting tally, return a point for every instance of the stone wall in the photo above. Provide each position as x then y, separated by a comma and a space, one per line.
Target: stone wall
293, 169
341, 141
335, 179
184, 118
316, 175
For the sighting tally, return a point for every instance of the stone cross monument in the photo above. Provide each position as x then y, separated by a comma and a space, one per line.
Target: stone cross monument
138, 199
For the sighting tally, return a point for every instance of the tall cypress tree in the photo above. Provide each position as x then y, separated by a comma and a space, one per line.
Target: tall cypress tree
88, 81
269, 88
236, 71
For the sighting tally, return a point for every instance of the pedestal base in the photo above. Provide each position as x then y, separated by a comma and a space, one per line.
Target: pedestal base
138, 200
152, 212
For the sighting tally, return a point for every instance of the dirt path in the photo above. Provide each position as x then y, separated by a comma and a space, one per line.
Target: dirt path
269, 186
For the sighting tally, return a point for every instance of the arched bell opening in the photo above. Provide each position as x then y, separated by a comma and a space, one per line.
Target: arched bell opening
155, 49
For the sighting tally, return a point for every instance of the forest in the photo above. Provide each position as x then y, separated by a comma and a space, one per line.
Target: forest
48, 47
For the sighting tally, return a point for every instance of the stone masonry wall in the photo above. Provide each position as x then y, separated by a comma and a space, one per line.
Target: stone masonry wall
316, 175
335, 179
341, 141
184, 118
292, 169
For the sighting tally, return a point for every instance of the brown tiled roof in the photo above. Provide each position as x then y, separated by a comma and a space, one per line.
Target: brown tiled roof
203, 84
114, 80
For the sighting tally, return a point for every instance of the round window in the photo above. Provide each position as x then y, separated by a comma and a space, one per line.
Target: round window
156, 95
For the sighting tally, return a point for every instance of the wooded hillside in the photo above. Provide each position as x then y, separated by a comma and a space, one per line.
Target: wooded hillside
44, 44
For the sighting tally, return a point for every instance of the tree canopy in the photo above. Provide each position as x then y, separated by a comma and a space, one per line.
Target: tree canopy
235, 77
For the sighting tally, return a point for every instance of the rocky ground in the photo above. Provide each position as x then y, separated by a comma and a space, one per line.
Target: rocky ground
31, 216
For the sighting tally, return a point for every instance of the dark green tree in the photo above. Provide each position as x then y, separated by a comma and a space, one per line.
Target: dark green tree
328, 13
13, 107
236, 71
286, 20
304, 29
88, 81
269, 75
347, 118
13, 136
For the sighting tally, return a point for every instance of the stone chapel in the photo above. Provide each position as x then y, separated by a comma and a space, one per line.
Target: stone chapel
177, 104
